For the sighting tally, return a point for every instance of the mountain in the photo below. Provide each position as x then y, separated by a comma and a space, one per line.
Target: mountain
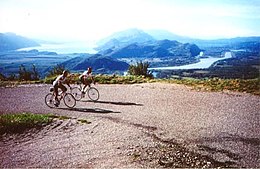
99, 63
157, 49
159, 53
159, 34
11, 41
229, 42
123, 38
127, 37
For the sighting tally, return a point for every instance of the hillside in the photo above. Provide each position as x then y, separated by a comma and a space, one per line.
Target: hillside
166, 52
99, 63
158, 49
11, 41
11, 61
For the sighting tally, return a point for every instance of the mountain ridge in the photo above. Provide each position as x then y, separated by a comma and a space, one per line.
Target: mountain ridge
158, 34
99, 63
11, 41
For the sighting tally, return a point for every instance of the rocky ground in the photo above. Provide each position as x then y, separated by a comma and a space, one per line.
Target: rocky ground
140, 125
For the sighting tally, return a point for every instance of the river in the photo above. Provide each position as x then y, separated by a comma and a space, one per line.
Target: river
203, 64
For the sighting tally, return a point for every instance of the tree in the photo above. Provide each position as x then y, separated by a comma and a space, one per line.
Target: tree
28, 75
2, 77
24, 74
11, 77
56, 70
35, 73
140, 69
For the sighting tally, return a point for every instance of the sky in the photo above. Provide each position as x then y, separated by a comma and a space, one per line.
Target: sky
90, 20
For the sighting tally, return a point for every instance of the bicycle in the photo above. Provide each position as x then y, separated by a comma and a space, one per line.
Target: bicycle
91, 91
68, 99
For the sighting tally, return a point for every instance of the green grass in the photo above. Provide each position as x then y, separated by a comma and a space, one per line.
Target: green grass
17, 123
84, 121
115, 79
215, 84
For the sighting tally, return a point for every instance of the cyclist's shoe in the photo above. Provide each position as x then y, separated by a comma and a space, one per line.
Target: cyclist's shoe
83, 94
57, 103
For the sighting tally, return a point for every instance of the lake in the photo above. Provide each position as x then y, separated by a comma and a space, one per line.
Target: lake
203, 64
65, 48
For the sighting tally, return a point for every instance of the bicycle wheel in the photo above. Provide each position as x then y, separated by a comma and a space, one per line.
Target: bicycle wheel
93, 94
76, 92
69, 100
50, 100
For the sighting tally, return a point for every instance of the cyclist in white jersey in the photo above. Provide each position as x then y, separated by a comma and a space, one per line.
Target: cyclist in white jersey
86, 78
58, 83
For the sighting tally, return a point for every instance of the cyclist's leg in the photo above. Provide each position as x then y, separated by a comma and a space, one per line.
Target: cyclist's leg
63, 89
86, 83
55, 91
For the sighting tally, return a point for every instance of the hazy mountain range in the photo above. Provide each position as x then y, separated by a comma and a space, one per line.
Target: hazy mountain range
11, 41
161, 48
120, 39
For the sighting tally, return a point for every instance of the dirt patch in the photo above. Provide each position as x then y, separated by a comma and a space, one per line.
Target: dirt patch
31, 147
175, 156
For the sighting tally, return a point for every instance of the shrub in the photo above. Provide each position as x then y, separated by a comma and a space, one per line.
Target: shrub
140, 69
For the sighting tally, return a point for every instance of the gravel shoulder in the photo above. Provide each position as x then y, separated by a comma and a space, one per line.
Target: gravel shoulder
140, 125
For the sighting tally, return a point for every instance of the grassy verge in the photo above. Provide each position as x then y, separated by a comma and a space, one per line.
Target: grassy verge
106, 79
215, 84
17, 123
4, 83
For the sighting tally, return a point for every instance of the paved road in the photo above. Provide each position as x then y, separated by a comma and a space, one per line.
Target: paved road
221, 125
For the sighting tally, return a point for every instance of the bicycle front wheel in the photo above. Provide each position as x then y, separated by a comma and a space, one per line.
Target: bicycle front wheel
93, 94
69, 100
50, 100
76, 92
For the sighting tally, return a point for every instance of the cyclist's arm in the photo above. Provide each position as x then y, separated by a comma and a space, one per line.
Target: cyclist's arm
65, 81
92, 78
68, 83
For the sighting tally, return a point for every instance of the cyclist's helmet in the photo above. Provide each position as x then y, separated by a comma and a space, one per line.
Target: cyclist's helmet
89, 69
65, 72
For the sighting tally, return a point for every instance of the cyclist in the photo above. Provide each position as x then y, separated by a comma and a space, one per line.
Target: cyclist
58, 83
86, 78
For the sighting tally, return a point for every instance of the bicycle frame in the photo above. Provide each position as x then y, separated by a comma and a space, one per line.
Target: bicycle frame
81, 85
90, 91
68, 99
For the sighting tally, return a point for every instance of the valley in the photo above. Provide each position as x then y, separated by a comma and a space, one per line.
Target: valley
115, 53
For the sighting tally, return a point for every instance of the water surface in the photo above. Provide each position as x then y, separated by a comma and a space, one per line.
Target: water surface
203, 64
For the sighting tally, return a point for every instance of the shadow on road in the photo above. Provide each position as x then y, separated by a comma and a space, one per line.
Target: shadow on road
115, 103
96, 110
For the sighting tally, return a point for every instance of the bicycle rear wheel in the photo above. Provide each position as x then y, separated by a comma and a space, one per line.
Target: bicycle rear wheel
69, 100
50, 100
93, 94
76, 92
